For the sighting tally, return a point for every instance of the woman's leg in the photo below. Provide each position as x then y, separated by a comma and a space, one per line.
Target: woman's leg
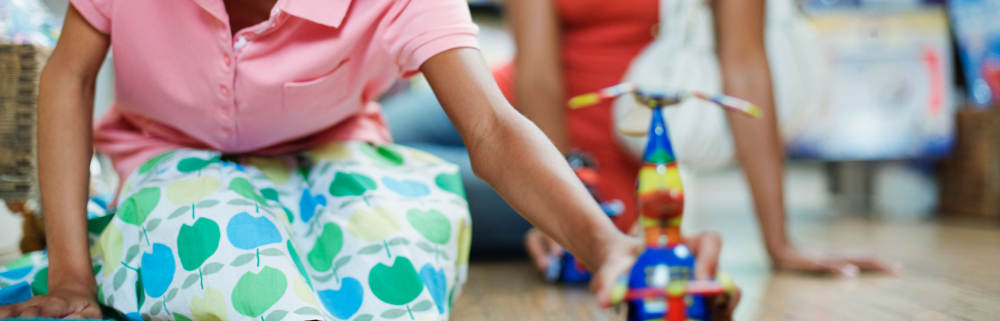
417, 120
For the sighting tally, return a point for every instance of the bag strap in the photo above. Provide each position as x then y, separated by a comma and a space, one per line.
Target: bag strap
678, 21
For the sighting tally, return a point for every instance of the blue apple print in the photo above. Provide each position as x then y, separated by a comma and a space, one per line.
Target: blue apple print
157, 270
15, 293
248, 232
346, 301
308, 204
15, 274
408, 188
436, 284
133, 316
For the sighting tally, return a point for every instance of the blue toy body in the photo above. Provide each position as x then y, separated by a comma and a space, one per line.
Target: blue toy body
656, 268
572, 271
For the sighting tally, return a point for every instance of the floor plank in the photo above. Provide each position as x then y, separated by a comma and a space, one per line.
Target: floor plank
951, 273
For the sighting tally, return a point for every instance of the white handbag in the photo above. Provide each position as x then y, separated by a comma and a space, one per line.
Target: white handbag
683, 57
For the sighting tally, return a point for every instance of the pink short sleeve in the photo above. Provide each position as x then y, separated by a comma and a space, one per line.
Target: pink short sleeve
416, 30
97, 13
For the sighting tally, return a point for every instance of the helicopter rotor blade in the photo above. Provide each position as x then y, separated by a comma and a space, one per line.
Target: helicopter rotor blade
729, 102
593, 98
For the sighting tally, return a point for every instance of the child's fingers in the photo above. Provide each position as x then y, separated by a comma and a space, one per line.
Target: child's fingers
553, 247
91, 311
15, 310
537, 249
8, 311
604, 280
30, 312
615, 267
706, 247
55, 307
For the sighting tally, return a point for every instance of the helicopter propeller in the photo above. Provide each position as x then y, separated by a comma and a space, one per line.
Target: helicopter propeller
639, 117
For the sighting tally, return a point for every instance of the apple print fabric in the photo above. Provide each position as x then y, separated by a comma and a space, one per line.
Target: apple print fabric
347, 231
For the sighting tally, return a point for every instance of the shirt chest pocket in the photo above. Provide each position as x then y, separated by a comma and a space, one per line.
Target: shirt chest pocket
329, 95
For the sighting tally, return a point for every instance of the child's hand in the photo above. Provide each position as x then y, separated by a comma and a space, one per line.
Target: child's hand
706, 247
69, 302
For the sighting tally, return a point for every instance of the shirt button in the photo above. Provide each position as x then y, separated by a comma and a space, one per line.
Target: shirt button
228, 61
240, 43
224, 90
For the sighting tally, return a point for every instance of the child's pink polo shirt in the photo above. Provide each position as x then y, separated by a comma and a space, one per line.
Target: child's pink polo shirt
308, 75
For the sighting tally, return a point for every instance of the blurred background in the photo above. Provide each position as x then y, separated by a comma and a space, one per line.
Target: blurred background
901, 157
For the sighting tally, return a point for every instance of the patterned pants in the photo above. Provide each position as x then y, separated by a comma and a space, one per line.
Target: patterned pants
348, 231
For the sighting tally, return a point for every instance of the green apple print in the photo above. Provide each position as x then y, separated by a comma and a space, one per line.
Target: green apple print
40, 285
109, 247
243, 187
351, 184
256, 292
327, 246
450, 182
151, 163
194, 164
373, 225
188, 191
269, 194
398, 284
196, 243
464, 242
382, 155
298, 262
432, 224
211, 306
137, 207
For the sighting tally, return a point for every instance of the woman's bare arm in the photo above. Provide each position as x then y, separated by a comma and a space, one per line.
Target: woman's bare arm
538, 83
739, 26
65, 111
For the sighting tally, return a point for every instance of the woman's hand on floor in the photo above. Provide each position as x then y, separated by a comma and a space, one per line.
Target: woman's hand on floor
68, 301
791, 259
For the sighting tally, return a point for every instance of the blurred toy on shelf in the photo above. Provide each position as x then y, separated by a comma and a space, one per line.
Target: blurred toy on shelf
28, 22
977, 32
661, 284
890, 92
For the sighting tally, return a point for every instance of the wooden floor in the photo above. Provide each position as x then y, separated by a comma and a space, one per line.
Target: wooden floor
951, 272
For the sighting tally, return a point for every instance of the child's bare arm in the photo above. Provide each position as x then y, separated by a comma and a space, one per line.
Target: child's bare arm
65, 110
515, 157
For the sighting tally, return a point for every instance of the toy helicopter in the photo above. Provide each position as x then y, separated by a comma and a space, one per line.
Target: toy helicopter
661, 285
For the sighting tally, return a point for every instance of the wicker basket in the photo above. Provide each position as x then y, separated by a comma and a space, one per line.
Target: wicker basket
20, 66
970, 177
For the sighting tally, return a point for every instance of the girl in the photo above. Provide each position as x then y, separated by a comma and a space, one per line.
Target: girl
259, 180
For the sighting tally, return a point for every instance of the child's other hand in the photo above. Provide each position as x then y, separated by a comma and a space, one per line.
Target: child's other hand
68, 302
541, 248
